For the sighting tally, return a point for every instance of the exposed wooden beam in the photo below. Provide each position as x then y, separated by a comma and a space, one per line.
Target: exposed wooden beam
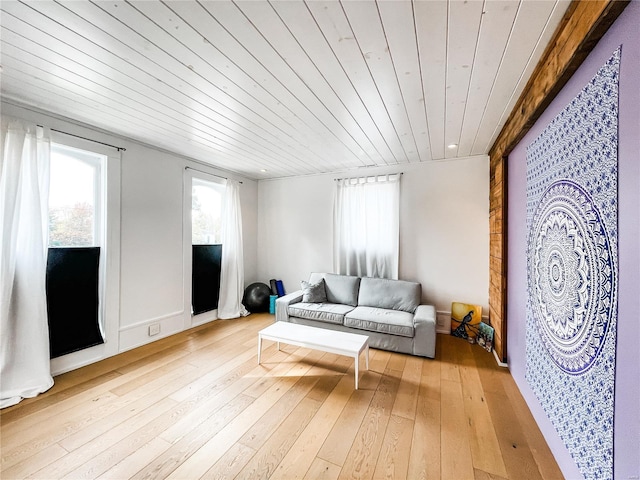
582, 26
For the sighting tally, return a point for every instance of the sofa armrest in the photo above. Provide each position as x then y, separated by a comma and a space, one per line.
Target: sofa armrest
424, 321
282, 305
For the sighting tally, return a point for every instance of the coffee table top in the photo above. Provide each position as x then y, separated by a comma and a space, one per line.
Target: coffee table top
314, 337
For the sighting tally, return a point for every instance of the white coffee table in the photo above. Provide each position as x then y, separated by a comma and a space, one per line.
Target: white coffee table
331, 341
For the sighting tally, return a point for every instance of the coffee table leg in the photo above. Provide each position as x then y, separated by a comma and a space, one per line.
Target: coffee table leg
357, 369
259, 347
367, 356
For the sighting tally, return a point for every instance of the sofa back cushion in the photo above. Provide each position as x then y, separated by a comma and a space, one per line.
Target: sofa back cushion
341, 289
392, 294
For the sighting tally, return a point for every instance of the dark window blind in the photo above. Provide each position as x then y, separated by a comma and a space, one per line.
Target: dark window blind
72, 299
205, 277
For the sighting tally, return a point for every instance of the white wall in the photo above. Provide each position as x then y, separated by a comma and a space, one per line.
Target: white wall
444, 229
287, 231
154, 274
250, 209
152, 267
151, 264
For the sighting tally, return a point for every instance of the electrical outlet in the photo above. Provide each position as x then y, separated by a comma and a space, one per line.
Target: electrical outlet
154, 329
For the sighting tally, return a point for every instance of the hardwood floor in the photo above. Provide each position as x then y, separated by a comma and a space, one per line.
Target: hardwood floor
197, 405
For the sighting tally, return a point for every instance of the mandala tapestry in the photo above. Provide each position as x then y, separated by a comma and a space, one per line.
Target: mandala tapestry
572, 270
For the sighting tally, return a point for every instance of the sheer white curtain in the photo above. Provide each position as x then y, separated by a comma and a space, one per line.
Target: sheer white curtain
367, 226
232, 262
24, 197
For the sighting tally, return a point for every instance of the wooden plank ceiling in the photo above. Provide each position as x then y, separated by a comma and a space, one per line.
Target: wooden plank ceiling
270, 89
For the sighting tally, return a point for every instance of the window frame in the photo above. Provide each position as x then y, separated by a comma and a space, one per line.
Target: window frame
109, 243
191, 320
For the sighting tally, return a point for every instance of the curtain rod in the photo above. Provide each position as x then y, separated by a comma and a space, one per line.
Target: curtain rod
208, 173
369, 176
120, 149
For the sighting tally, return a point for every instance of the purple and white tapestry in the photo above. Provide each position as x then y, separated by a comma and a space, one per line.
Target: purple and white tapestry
572, 270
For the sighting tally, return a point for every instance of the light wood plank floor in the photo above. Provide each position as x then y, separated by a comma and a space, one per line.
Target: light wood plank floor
197, 405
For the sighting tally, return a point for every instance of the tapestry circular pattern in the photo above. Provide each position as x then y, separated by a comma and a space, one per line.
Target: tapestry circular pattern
571, 276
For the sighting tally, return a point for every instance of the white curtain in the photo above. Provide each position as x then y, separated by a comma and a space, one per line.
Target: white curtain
232, 262
366, 226
24, 197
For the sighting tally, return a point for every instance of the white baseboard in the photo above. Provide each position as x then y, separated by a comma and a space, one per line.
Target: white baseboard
138, 334
500, 364
443, 321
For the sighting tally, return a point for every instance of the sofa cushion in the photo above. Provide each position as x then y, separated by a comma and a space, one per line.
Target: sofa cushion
381, 320
323, 312
341, 289
391, 294
313, 292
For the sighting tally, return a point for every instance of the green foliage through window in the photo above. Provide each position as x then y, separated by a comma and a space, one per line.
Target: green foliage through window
71, 226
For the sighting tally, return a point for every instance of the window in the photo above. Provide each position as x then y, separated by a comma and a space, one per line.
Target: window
75, 206
206, 240
76, 258
366, 226
206, 212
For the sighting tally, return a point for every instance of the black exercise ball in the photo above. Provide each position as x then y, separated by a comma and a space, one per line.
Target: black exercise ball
256, 297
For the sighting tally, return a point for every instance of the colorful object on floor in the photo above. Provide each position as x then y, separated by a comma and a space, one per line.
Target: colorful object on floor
485, 336
572, 271
272, 304
465, 318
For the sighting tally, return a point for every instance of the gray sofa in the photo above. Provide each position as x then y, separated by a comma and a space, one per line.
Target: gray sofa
388, 311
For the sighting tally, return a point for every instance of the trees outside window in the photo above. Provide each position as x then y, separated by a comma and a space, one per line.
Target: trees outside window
74, 197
